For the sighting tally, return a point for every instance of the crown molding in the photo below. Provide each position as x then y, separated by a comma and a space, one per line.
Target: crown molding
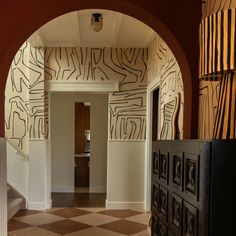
82, 86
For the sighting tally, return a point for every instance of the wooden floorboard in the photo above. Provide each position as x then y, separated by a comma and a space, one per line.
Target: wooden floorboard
78, 199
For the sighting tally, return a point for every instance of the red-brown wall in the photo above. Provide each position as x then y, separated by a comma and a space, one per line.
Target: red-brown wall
176, 22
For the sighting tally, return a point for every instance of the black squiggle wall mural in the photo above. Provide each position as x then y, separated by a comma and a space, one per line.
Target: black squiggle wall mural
127, 108
25, 98
163, 67
38, 96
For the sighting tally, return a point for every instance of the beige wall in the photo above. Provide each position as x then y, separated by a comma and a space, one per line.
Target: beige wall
125, 171
62, 139
62, 142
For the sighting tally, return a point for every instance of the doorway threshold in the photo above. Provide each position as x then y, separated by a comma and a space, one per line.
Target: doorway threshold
81, 190
78, 199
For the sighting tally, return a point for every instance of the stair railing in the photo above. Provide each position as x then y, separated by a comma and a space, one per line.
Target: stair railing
18, 151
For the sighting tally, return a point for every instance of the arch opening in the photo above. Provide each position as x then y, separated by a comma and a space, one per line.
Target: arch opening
124, 7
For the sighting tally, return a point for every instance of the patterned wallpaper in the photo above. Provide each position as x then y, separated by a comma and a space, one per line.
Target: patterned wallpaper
38, 96
25, 98
127, 108
17, 100
163, 65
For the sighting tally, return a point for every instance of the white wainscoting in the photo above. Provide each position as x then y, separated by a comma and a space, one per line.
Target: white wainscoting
17, 170
125, 174
3, 188
39, 175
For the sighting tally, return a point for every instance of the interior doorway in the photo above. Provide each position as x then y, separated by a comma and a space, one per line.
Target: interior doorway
82, 146
79, 149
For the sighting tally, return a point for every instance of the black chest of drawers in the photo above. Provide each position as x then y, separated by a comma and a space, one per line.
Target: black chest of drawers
193, 185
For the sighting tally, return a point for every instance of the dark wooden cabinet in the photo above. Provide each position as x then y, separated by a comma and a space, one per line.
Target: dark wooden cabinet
193, 188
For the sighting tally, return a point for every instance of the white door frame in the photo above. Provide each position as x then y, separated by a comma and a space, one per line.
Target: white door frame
148, 160
102, 87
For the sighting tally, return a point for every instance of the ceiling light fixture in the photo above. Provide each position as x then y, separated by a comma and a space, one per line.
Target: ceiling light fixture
96, 22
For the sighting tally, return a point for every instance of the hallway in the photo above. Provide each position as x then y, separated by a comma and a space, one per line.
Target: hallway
122, 62
79, 221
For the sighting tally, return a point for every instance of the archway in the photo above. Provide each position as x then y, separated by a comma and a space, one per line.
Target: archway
19, 22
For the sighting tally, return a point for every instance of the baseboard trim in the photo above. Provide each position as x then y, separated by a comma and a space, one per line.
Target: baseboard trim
49, 204
39, 206
100, 189
125, 205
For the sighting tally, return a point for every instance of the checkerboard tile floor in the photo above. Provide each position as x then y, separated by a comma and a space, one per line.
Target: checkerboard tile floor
79, 221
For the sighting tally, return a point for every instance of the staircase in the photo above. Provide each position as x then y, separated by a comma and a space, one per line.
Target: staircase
15, 201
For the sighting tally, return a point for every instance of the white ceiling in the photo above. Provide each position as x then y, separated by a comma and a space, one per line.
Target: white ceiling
74, 29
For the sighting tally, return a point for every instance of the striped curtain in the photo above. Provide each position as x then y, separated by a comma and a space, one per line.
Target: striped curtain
217, 43
225, 122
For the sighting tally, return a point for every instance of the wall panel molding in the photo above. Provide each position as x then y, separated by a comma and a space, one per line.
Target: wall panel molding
83, 86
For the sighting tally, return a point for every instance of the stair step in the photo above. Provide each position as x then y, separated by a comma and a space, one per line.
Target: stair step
13, 206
